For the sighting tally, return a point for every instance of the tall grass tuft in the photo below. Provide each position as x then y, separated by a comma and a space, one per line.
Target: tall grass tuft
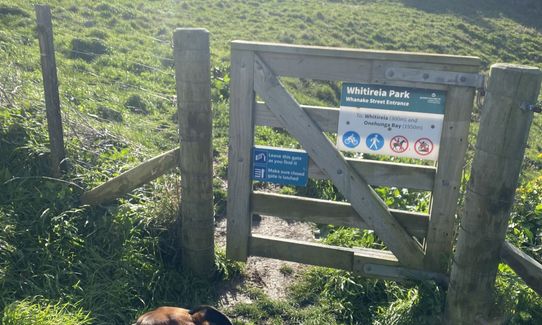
38, 311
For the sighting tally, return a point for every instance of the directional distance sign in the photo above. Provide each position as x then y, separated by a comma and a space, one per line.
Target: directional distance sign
388, 120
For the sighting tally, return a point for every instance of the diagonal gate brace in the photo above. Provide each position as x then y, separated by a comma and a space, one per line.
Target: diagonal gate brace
361, 196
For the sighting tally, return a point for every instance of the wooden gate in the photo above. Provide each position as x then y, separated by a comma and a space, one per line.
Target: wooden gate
420, 244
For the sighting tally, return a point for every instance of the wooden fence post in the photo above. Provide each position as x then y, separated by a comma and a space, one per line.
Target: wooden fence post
192, 74
50, 85
504, 129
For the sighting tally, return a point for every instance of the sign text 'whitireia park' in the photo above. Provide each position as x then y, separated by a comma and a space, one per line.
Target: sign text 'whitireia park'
388, 120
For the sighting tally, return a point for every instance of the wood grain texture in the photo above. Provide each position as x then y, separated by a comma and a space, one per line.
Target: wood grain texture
132, 179
381, 173
327, 118
302, 252
524, 265
329, 212
193, 85
388, 272
241, 136
355, 65
50, 86
502, 138
374, 71
451, 161
346, 53
473, 80
365, 261
364, 200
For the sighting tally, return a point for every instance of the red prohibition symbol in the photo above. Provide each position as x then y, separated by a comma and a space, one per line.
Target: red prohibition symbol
423, 146
399, 144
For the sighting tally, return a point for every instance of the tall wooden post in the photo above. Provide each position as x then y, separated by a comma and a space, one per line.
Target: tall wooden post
192, 74
50, 85
504, 129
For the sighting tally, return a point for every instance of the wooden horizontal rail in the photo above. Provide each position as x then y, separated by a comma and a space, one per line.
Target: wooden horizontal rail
352, 65
397, 273
329, 212
365, 261
133, 178
524, 265
327, 118
381, 173
359, 54
303, 252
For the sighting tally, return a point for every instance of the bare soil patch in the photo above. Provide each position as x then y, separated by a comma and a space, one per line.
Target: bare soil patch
272, 276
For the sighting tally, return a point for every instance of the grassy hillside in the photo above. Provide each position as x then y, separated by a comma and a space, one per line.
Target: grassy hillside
105, 265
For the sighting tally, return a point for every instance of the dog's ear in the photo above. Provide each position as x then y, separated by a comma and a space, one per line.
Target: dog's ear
212, 316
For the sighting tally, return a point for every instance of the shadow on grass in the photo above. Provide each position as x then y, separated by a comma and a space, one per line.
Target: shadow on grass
115, 262
524, 12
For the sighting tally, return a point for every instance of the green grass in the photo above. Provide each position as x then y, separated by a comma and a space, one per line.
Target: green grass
62, 263
36, 312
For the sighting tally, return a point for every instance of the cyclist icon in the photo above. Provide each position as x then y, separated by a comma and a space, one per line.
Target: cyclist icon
351, 139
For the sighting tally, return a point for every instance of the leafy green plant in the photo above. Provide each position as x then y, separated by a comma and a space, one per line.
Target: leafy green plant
514, 301
525, 226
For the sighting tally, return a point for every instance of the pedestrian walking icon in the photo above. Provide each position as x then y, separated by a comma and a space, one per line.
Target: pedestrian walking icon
374, 141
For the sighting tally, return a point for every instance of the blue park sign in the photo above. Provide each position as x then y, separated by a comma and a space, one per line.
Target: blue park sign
287, 167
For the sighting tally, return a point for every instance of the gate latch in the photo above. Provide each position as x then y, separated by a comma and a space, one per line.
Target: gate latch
535, 108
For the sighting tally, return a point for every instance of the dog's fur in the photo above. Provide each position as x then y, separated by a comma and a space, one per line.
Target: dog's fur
201, 315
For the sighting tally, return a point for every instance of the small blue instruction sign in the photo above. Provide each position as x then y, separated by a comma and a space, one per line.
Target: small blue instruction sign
287, 167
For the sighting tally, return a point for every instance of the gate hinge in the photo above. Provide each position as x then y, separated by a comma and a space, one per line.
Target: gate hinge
475, 80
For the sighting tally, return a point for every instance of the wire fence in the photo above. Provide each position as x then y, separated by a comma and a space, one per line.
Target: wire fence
125, 84
121, 55
79, 122
143, 65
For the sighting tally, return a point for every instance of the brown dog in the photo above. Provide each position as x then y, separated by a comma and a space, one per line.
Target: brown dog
201, 315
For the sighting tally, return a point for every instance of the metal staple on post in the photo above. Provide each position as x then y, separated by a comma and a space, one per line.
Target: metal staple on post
535, 108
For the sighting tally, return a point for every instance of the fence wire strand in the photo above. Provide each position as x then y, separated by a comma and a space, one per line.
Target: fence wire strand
171, 74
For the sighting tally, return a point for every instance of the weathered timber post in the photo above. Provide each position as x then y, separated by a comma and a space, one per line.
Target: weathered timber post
504, 129
50, 85
192, 74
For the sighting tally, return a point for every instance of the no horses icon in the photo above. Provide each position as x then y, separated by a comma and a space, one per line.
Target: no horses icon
399, 144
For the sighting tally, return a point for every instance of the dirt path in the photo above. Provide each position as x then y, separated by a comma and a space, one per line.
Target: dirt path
272, 276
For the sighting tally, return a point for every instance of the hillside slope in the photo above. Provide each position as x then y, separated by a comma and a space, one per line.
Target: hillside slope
117, 91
